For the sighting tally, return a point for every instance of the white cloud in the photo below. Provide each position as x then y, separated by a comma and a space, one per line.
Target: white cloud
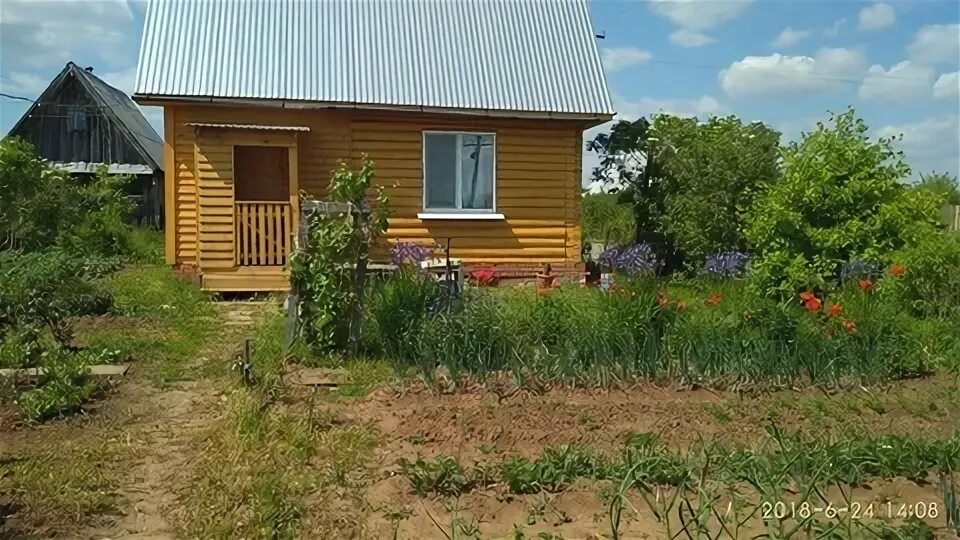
695, 17
903, 82
930, 144
789, 37
699, 14
877, 16
23, 84
827, 70
947, 86
936, 43
835, 28
618, 58
690, 38
702, 107
49, 33
124, 80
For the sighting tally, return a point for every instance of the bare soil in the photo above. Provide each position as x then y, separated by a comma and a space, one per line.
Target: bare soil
482, 424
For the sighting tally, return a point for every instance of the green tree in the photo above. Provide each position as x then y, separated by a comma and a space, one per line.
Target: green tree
689, 182
840, 198
942, 184
605, 220
711, 172
42, 207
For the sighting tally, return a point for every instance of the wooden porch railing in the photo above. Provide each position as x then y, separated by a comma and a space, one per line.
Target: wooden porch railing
264, 233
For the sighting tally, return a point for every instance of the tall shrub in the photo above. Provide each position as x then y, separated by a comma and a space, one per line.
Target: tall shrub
328, 270
42, 207
711, 172
839, 198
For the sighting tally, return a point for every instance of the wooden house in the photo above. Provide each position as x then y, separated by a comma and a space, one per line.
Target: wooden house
80, 123
472, 111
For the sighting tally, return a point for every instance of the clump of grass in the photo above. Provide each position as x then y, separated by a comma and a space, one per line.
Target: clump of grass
442, 475
66, 485
172, 320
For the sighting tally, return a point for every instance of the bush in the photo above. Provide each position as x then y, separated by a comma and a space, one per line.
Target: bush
930, 285
42, 290
322, 270
64, 386
43, 207
840, 198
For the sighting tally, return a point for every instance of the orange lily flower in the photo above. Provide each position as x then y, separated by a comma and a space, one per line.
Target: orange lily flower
850, 326
897, 271
834, 310
865, 285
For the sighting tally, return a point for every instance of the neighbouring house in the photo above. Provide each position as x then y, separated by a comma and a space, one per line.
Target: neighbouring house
80, 123
472, 111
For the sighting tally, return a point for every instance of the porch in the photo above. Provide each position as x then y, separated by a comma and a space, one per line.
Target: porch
248, 205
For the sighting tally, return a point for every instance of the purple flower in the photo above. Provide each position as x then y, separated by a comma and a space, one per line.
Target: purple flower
407, 253
729, 264
631, 260
857, 269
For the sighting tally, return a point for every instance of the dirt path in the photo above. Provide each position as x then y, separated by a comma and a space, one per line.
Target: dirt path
151, 432
174, 418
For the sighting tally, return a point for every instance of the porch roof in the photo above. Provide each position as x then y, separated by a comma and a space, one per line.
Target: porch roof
256, 127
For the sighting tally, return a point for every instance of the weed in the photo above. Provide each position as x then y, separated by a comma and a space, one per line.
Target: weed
442, 475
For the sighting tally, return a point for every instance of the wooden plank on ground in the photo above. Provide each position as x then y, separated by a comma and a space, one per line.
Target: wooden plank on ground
319, 377
100, 370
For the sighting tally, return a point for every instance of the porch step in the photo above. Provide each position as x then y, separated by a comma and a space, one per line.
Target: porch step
247, 279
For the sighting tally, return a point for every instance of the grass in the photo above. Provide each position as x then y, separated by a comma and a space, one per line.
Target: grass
654, 330
260, 467
170, 320
63, 484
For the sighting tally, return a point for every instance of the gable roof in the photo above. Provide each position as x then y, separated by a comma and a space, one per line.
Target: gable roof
115, 103
488, 56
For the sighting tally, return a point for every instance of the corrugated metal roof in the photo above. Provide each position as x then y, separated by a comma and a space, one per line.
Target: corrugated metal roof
258, 127
497, 55
112, 168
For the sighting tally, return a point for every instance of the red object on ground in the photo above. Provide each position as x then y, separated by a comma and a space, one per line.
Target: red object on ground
485, 276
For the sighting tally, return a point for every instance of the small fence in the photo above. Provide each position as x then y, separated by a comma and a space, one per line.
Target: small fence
951, 215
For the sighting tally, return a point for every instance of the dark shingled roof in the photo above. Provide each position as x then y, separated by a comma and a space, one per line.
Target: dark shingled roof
118, 105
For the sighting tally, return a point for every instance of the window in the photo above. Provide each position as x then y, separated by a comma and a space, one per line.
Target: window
76, 119
458, 172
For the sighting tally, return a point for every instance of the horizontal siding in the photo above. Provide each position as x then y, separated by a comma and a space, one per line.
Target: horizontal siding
538, 177
537, 186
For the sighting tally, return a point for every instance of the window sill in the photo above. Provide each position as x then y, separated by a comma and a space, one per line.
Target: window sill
462, 216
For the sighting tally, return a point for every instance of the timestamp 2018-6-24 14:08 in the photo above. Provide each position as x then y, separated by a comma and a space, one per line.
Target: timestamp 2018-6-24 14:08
852, 510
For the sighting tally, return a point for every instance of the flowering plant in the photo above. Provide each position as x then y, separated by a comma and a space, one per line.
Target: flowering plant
408, 253
632, 260
729, 264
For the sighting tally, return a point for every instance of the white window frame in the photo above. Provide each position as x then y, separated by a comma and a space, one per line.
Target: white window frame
457, 213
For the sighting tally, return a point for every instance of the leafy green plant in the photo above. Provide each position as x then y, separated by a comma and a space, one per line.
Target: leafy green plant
840, 198
604, 219
328, 270
43, 207
442, 475
63, 387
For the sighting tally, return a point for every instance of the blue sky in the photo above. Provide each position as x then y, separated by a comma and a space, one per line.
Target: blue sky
783, 63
